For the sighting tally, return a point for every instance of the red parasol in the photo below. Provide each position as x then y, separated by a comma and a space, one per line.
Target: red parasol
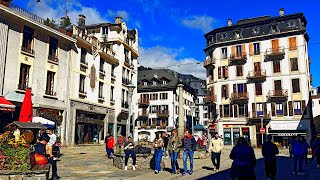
6, 105
26, 108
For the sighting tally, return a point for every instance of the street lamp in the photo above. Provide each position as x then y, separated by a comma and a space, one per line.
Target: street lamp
261, 116
192, 109
131, 88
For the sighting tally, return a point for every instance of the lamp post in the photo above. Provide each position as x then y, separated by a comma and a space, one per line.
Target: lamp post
192, 110
131, 88
261, 116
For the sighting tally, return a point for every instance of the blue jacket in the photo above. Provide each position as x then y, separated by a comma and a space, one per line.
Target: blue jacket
244, 161
189, 143
297, 147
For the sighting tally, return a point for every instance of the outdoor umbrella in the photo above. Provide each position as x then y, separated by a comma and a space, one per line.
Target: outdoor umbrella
6, 105
26, 108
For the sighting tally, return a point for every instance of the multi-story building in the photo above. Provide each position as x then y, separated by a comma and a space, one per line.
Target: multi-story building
258, 74
158, 104
34, 55
315, 96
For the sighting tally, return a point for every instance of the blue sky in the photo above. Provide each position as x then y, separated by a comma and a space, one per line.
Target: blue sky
171, 32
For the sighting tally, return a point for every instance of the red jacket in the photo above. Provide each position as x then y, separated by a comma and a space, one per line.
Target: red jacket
110, 143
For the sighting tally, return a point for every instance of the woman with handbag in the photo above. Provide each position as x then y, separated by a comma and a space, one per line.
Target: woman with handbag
158, 144
244, 161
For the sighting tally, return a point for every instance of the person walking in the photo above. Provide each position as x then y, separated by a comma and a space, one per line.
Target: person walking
244, 161
316, 152
158, 144
174, 144
305, 150
189, 146
165, 144
128, 147
297, 151
269, 152
110, 146
106, 142
215, 149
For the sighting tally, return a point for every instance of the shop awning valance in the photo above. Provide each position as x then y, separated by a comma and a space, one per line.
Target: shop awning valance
6, 105
288, 132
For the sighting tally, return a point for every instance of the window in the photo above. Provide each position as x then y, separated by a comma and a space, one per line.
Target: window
104, 30
53, 48
238, 51
297, 108
50, 83
164, 82
319, 101
205, 115
241, 110
258, 87
224, 53
82, 83
224, 92
164, 96
239, 70
294, 64
154, 109
237, 35
259, 107
256, 48
24, 77
295, 86
274, 28
276, 67
112, 70
292, 23
27, 41
292, 43
154, 97
83, 55
145, 83
154, 83
224, 36
226, 110
279, 109
101, 64
100, 89
111, 93
255, 30
126, 55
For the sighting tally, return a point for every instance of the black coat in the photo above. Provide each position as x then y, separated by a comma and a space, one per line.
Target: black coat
269, 151
244, 161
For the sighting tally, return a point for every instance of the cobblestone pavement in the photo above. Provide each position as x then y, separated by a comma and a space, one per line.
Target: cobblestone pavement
90, 162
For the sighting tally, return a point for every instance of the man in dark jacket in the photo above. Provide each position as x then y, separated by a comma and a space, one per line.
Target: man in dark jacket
40, 148
189, 146
269, 152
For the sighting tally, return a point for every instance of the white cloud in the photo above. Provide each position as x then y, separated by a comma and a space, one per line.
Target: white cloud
162, 57
123, 14
203, 23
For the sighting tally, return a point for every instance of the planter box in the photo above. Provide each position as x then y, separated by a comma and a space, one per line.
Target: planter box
21, 175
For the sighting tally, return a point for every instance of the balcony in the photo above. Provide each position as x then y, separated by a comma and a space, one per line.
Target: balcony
27, 50
126, 81
82, 94
143, 113
274, 54
102, 73
144, 102
53, 59
209, 63
210, 99
163, 114
277, 95
239, 97
101, 98
238, 58
257, 76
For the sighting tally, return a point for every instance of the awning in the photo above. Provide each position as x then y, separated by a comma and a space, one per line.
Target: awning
287, 132
49, 124
26, 125
6, 105
199, 127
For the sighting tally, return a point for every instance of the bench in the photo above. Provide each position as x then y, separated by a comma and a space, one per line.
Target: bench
38, 169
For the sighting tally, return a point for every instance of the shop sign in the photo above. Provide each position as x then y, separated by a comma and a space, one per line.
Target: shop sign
50, 116
289, 134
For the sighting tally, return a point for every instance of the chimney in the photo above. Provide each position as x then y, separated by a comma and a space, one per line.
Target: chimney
118, 20
82, 20
229, 22
281, 12
5, 2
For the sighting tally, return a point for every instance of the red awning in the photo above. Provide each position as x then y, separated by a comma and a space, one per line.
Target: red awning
6, 105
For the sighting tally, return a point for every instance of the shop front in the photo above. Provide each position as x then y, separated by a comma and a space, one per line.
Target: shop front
54, 115
231, 133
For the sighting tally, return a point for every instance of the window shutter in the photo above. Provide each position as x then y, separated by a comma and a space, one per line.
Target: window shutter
254, 114
246, 110
231, 110
290, 108
234, 88
235, 110
285, 108
250, 49
265, 112
233, 51
227, 73
245, 87
222, 92
221, 112
273, 109
219, 72
243, 50
227, 90
275, 45
292, 43
303, 106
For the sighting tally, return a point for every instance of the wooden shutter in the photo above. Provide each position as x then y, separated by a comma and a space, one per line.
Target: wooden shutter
303, 106
221, 112
222, 92
227, 90
235, 110
254, 114
233, 51
243, 50
292, 43
219, 72
234, 88
226, 72
285, 108
250, 49
245, 87
230, 109
290, 108
265, 112
275, 45
246, 110
273, 111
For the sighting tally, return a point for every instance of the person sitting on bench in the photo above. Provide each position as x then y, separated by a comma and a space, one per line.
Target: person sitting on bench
40, 148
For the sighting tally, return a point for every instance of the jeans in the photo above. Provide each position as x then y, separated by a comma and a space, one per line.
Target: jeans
133, 155
215, 158
164, 151
270, 168
158, 159
297, 160
54, 167
174, 162
187, 153
109, 151
305, 158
